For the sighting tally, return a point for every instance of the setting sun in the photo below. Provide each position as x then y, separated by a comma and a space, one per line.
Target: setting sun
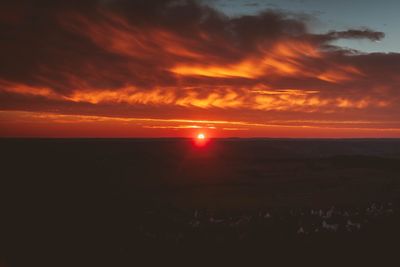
201, 139
201, 136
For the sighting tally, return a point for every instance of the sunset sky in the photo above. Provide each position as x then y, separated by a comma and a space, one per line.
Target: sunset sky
228, 68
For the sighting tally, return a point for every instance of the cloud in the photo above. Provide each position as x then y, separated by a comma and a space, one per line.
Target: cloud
353, 34
28, 124
122, 57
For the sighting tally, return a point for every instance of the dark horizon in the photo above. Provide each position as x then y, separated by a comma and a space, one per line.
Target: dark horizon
103, 202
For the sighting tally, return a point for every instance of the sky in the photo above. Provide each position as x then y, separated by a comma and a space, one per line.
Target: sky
328, 15
174, 68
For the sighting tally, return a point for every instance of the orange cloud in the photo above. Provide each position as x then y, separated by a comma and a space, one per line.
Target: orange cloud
14, 123
25, 89
281, 59
259, 97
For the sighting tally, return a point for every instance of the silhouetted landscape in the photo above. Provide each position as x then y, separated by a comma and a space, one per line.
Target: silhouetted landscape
101, 201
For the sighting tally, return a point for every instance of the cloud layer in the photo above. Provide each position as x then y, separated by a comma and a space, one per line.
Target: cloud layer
184, 60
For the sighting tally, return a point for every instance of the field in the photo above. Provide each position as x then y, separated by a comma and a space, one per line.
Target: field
99, 200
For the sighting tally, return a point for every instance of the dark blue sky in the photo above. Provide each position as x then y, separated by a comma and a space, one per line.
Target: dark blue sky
334, 15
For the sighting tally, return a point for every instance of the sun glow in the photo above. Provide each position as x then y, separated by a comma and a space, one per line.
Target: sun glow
200, 140
201, 136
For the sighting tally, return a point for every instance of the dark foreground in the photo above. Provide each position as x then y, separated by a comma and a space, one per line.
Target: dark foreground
118, 202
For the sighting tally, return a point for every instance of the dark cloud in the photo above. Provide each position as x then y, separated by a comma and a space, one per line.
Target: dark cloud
354, 34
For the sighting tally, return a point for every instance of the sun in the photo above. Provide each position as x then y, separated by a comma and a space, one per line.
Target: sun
201, 139
201, 136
